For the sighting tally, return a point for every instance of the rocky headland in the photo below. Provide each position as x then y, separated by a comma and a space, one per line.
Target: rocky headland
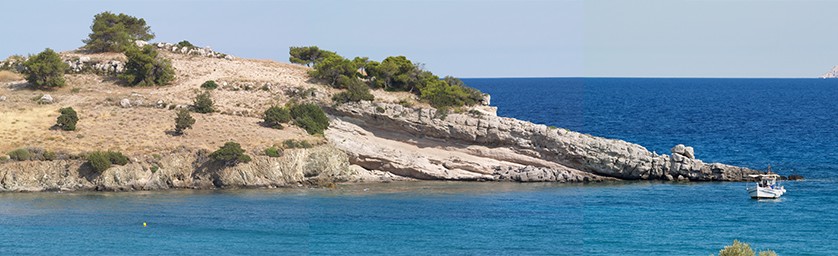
395, 137
831, 74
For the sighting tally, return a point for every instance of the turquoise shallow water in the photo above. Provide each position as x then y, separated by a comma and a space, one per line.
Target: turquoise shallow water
789, 123
430, 218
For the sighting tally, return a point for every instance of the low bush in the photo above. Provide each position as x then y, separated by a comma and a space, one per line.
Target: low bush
310, 117
209, 85
356, 91
183, 121
20, 154
273, 152
117, 158
186, 44
231, 153
203, 103
102, 160
275, 116
289, 144
68, 119
46, 69
743, 249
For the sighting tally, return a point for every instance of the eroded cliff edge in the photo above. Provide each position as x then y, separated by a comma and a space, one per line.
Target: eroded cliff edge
428, 144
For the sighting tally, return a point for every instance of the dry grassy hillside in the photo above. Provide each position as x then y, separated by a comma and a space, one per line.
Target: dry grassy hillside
248, 87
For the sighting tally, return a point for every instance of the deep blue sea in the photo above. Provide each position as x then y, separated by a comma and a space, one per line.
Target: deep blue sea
788, 123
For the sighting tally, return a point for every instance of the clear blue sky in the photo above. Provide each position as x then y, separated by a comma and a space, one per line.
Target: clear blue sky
468, 38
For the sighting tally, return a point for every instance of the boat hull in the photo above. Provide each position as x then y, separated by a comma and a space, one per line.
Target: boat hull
764, 192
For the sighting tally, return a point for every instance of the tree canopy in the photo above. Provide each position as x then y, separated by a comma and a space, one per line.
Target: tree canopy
115, 32
394, 73
146, 68
46, 69
308, 55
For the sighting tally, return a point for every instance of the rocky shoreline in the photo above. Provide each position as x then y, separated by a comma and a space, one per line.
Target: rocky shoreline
381, 142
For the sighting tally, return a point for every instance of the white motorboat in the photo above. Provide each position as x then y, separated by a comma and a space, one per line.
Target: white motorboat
766, 186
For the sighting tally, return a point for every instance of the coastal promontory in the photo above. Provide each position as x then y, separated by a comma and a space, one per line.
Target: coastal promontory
154, 115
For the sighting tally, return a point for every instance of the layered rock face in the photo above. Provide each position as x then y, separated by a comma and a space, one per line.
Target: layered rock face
429, 144
323, 164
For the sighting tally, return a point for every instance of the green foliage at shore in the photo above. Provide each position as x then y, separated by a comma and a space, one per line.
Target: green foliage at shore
99, 161
146, 68
102, 160
743, 249
68, 119
115, 33
203, 103
20, 154
34, 154
230, 154
307, 55
45, 69
275, 116
183, 121
310, 117
395, 73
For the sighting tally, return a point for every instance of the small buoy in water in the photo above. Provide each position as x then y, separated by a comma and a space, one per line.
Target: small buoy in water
144, 224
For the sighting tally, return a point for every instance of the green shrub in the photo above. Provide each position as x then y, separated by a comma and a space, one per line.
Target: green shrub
154, 168
20, 154
767, 253
310, 117
186, 44
356, 91
230, 153
275, 116
117, 158
68, 119
46, 69
441, 94
146, 68
289, 144
273, 152
183, 121
49, 155
100, 161
209, 85
203, 103
737, 249
115, 33
441, 113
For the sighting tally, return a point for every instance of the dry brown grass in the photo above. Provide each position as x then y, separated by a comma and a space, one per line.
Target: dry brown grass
8, 76
145, 130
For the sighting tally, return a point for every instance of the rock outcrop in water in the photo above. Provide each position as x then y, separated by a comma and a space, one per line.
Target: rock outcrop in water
832, 73
429, 144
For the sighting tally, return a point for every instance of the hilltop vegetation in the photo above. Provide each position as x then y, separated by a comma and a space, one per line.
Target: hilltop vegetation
116, 33
395, 73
